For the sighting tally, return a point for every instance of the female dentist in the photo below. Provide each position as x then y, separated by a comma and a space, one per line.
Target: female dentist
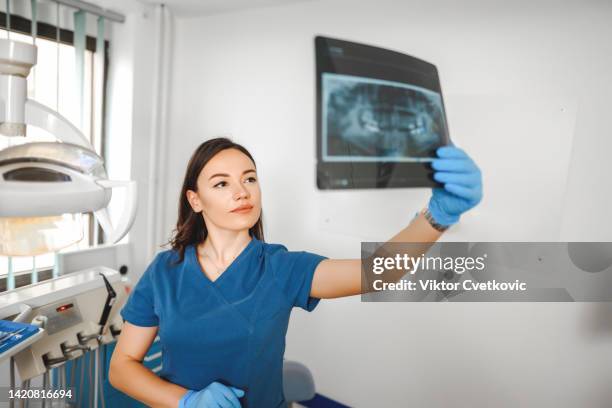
221, 297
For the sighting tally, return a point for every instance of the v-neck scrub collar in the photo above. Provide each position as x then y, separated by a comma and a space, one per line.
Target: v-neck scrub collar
191, 253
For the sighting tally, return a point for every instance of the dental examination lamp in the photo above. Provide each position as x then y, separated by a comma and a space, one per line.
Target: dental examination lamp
45, 186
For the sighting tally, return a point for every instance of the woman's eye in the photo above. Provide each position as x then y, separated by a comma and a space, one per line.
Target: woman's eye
223, 183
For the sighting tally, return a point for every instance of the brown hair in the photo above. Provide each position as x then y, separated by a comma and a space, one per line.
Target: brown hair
190, 226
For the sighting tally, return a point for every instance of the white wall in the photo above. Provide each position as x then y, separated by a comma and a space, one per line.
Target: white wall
526, 88
131, 89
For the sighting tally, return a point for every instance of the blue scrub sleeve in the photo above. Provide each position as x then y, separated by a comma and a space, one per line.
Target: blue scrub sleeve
294, 272
140, 307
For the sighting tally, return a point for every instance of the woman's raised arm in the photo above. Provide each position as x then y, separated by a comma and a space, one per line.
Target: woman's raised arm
462, 191
335, 278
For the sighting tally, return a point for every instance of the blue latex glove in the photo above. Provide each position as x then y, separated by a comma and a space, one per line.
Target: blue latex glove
462, 185
215, 395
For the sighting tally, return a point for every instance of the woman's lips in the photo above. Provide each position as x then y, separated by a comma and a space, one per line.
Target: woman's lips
243, 210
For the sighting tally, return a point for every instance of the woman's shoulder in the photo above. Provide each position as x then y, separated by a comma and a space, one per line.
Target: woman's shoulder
169, 259
270, 248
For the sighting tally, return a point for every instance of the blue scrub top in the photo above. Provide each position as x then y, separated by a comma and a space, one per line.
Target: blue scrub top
231, 330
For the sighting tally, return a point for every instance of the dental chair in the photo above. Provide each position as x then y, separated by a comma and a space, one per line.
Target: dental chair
298, 384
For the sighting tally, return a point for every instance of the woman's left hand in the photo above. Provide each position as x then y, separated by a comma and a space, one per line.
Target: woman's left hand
462, 185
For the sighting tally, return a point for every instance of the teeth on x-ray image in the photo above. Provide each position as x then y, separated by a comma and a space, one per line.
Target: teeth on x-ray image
369, 119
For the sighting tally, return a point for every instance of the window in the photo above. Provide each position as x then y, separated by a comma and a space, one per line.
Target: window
57, 89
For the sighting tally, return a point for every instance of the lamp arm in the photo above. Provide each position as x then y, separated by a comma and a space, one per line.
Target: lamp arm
37, 114
128, 216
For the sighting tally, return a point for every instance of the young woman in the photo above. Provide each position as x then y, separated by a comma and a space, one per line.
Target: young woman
221, 298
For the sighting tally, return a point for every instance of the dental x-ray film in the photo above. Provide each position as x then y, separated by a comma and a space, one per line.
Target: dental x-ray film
380, 117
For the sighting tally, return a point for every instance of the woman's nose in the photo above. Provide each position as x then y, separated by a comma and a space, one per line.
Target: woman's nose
241, 192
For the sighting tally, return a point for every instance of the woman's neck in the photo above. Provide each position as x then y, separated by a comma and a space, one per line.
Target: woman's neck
222, 249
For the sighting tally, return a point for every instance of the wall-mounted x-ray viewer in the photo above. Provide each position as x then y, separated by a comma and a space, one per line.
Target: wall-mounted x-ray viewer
380, 117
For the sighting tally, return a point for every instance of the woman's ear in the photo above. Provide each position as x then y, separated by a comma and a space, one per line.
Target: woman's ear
194, 201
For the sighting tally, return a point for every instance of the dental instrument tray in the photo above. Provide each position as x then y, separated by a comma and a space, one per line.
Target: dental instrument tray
380, 117
15, 336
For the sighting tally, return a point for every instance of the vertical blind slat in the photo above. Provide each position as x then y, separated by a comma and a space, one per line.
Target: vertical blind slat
79, 52
10, 279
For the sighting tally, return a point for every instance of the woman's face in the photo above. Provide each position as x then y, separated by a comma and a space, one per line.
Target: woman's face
228, 181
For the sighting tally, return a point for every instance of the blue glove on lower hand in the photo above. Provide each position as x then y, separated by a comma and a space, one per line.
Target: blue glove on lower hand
215, 395
462, 185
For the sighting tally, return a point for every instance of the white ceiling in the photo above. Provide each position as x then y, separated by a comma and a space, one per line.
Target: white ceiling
194, 8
